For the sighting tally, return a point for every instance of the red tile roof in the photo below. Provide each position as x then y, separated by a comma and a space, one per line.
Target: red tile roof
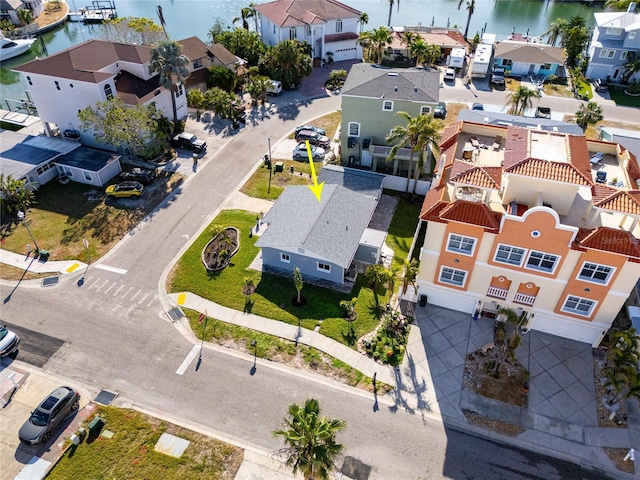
625, 201
450, 134
485, 177
612, 240
557, 171
578, 154
298, 12
472, 213
600, 192
433, 197
516, 146
340, 37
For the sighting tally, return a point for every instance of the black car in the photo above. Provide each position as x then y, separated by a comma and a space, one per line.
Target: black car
440, 111
314, 138
189, 141
497, 76
49, 415
313, 128
142, 175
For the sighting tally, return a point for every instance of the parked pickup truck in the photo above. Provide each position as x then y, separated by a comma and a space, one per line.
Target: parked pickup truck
497, 76
543, 112
189, 141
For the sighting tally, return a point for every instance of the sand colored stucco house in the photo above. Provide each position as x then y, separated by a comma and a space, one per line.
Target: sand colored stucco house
202, 56
518, 218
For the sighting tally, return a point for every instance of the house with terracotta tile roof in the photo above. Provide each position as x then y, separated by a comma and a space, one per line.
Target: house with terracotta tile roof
326, 25
524, 58
94, 71
445, 38
517, 218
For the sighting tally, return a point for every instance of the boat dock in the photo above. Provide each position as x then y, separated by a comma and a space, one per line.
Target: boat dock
98, 12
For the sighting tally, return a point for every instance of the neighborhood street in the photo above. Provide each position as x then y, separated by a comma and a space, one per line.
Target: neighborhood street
117, 335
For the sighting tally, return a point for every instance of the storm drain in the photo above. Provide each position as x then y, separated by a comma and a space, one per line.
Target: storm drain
105, 397
175, 314
355, 469
48, 281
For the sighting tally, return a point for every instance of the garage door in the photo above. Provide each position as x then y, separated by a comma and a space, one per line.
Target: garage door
575, 330
345, 54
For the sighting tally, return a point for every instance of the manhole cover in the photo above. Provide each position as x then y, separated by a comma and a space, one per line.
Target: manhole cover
105, 397
175, 314
47, 282
355, 469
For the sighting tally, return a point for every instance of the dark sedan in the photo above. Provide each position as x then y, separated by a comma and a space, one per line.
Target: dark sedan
142, 175
49, 415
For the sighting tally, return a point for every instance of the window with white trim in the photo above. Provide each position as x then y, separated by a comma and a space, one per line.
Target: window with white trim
285, 258
544, 262
623, 55
452, 276
614, 31
592, 272
308, 30
293, 34
323, 267
197, 63
510, 255
108, 92
354, 129
603, 53
631, 35
461, 244
387, 106
87, 175
578, 305
546, 66
611, 54
425, 109
338, 26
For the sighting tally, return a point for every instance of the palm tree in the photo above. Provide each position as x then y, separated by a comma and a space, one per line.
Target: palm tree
391, 2
297, 281
409, 39
631, 67
621, 369
512, 341
556, 30
420, 50
366, 40
375, 274
588, 115
363, 20
167, 59
520, 100
380, 38
248, 287
433, 54
410, 275
419, 132
245, 14
471, 8
311, 440
618, 4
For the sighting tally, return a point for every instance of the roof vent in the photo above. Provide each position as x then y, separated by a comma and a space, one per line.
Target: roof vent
395, 88
392, 74
415, 89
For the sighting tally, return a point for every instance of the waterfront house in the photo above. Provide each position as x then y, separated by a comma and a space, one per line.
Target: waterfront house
326, 25
615, 40
93, 71
445, 38
202, 57
9, 9
525, 59
371, 98
523, 223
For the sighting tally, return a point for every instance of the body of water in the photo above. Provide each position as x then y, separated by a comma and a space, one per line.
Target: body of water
185, 18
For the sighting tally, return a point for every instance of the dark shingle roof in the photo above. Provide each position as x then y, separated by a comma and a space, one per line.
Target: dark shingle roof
330, 229
361, 181
413, 84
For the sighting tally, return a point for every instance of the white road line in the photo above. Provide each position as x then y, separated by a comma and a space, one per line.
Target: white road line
108, 268
110, 287
118, 291
100, 287
142, 299
137, 293
124, 295
187, 361
155, 297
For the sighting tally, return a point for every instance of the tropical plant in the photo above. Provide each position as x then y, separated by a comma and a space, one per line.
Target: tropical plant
631, 67
555, 31
248, 287
288, 61
433, 54
241, 43
511, 318
376, 275
520, 100
15, 195
25, 16
588, 114
245, 14
349, 308
6, 26
196, 99
363, 19
257, 86
471, 8
222, 102
391, 3
419, 132
621, 368
380, 37
310, 440
366, 41
618, 4
420, 51
167, 59
133, 31
574, 41
298, 282
410, 273
408, 39
223, 78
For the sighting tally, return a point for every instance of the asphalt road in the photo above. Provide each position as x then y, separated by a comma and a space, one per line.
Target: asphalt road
112, 333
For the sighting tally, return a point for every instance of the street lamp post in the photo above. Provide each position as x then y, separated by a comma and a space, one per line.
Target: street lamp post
254, 344
269, 166
26, 225
85, 242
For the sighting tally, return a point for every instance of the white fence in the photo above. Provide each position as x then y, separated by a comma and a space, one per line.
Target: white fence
399, 184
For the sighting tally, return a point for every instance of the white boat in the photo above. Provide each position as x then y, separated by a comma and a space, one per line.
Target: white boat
12, 48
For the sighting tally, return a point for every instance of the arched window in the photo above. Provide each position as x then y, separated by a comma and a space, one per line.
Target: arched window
107, 91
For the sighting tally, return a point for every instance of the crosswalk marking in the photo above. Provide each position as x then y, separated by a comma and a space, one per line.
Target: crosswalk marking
187, 361
142, 299
115, 294
108, 268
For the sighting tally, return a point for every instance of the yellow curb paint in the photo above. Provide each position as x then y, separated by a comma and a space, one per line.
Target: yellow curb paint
73, 267
181, 298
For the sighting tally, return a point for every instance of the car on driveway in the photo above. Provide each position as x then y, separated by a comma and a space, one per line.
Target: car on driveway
9, 341
125, 190
142, 175
497, 76
313, 128
300, 152
314, 138
189, 141
450, 74
49, 415
477, 106
440, 111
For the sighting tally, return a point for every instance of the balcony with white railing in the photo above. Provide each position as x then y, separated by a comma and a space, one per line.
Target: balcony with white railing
524, 299
495, 292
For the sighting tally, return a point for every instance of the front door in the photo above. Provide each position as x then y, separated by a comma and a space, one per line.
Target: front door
532, 69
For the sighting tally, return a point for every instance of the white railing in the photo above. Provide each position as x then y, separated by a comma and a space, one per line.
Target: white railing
497, 292
523, 298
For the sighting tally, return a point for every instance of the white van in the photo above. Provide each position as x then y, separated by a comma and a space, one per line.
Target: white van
274, 88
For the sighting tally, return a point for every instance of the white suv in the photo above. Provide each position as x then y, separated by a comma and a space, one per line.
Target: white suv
450, 74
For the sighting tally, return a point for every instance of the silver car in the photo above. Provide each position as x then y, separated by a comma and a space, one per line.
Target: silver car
9, 342
300, 152
49, 415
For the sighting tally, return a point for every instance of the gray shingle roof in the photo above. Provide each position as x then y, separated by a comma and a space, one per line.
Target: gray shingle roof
329, 230
529, 52
362, 181
413, 84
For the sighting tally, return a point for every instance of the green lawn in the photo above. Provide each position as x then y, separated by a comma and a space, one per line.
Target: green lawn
258, 184
130, 453
621, 98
